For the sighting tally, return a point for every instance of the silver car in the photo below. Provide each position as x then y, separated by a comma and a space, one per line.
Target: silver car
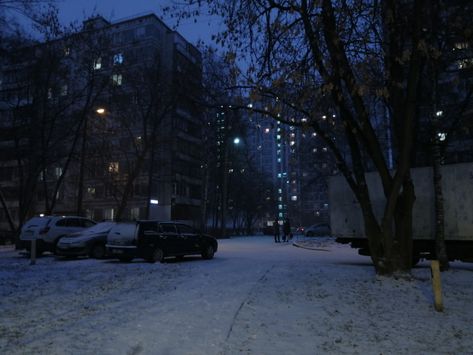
47, 230
319, 230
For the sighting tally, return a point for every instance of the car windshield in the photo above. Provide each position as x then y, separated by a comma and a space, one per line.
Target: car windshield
103, 227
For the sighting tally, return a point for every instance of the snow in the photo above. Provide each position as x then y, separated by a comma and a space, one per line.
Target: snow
254, 297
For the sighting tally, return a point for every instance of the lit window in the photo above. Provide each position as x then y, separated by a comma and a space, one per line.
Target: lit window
108, 213
292, 135
64, 90
98, 63
280, 207
67, 51
314, 134
135, 213
465, 63
439, 113
118, 59
91, 191
279, 160
324, 117
279, 198
278, 136
294, 198
461, 45
117, 79
314, 150
58, 172
324, 149
292, 143
442, 136
280, 191
279, 175
113, 167
304, 120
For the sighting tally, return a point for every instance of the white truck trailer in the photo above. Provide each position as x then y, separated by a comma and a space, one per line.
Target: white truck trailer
457, 181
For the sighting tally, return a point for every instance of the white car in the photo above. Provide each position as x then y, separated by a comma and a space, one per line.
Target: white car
48, 230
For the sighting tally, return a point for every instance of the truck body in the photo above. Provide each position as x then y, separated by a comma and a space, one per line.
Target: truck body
457, 184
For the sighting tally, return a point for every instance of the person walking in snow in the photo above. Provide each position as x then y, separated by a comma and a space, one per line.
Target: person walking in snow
276, 231
286, 228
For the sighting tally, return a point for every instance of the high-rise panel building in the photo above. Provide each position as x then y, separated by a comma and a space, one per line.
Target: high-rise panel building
103, 122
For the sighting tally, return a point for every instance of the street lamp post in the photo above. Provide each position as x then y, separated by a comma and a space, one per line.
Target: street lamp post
223, 226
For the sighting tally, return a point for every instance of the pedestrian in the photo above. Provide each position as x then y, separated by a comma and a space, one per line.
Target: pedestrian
286, 228
276, 231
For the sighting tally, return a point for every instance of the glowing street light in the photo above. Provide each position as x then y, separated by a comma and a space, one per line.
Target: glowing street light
153, 202
100, 110
236, 140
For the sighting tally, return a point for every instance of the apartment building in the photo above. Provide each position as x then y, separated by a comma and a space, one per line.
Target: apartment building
116, 136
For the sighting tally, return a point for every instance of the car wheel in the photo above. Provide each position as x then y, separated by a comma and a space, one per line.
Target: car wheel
125, 259
97, 251
208, 252
156, 255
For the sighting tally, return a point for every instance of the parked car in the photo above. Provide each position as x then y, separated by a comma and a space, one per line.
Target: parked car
48, 230
321, 229
90, 241
154, 241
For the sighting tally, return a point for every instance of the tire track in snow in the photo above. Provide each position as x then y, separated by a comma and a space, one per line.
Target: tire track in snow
248, 296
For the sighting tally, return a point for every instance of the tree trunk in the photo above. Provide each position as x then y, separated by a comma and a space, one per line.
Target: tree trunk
129, 187
440, 247
403, 225
11, 224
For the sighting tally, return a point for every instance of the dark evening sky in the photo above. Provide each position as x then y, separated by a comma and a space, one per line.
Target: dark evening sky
77, 10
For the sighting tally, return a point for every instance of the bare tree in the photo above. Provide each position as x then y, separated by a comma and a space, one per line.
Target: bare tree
304, 52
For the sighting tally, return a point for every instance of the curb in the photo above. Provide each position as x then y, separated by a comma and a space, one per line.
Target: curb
297, 245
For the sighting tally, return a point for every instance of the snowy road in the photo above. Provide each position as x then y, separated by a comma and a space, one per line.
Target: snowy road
255, 297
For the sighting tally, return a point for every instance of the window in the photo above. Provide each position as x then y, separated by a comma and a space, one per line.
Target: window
67, 51
183, 229
91, 191
168, 228
113, 167
64, 90
58, 172
117, 79
118, 59
50, 93
61, 223
87, 224
294, 198
465, 63
108, 213
97, 63
135, 213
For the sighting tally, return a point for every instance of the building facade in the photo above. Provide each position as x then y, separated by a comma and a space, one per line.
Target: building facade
116, 132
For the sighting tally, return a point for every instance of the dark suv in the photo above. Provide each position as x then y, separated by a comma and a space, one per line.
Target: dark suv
154, 240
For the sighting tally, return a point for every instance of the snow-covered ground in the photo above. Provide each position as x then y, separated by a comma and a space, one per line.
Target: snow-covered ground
255, 297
